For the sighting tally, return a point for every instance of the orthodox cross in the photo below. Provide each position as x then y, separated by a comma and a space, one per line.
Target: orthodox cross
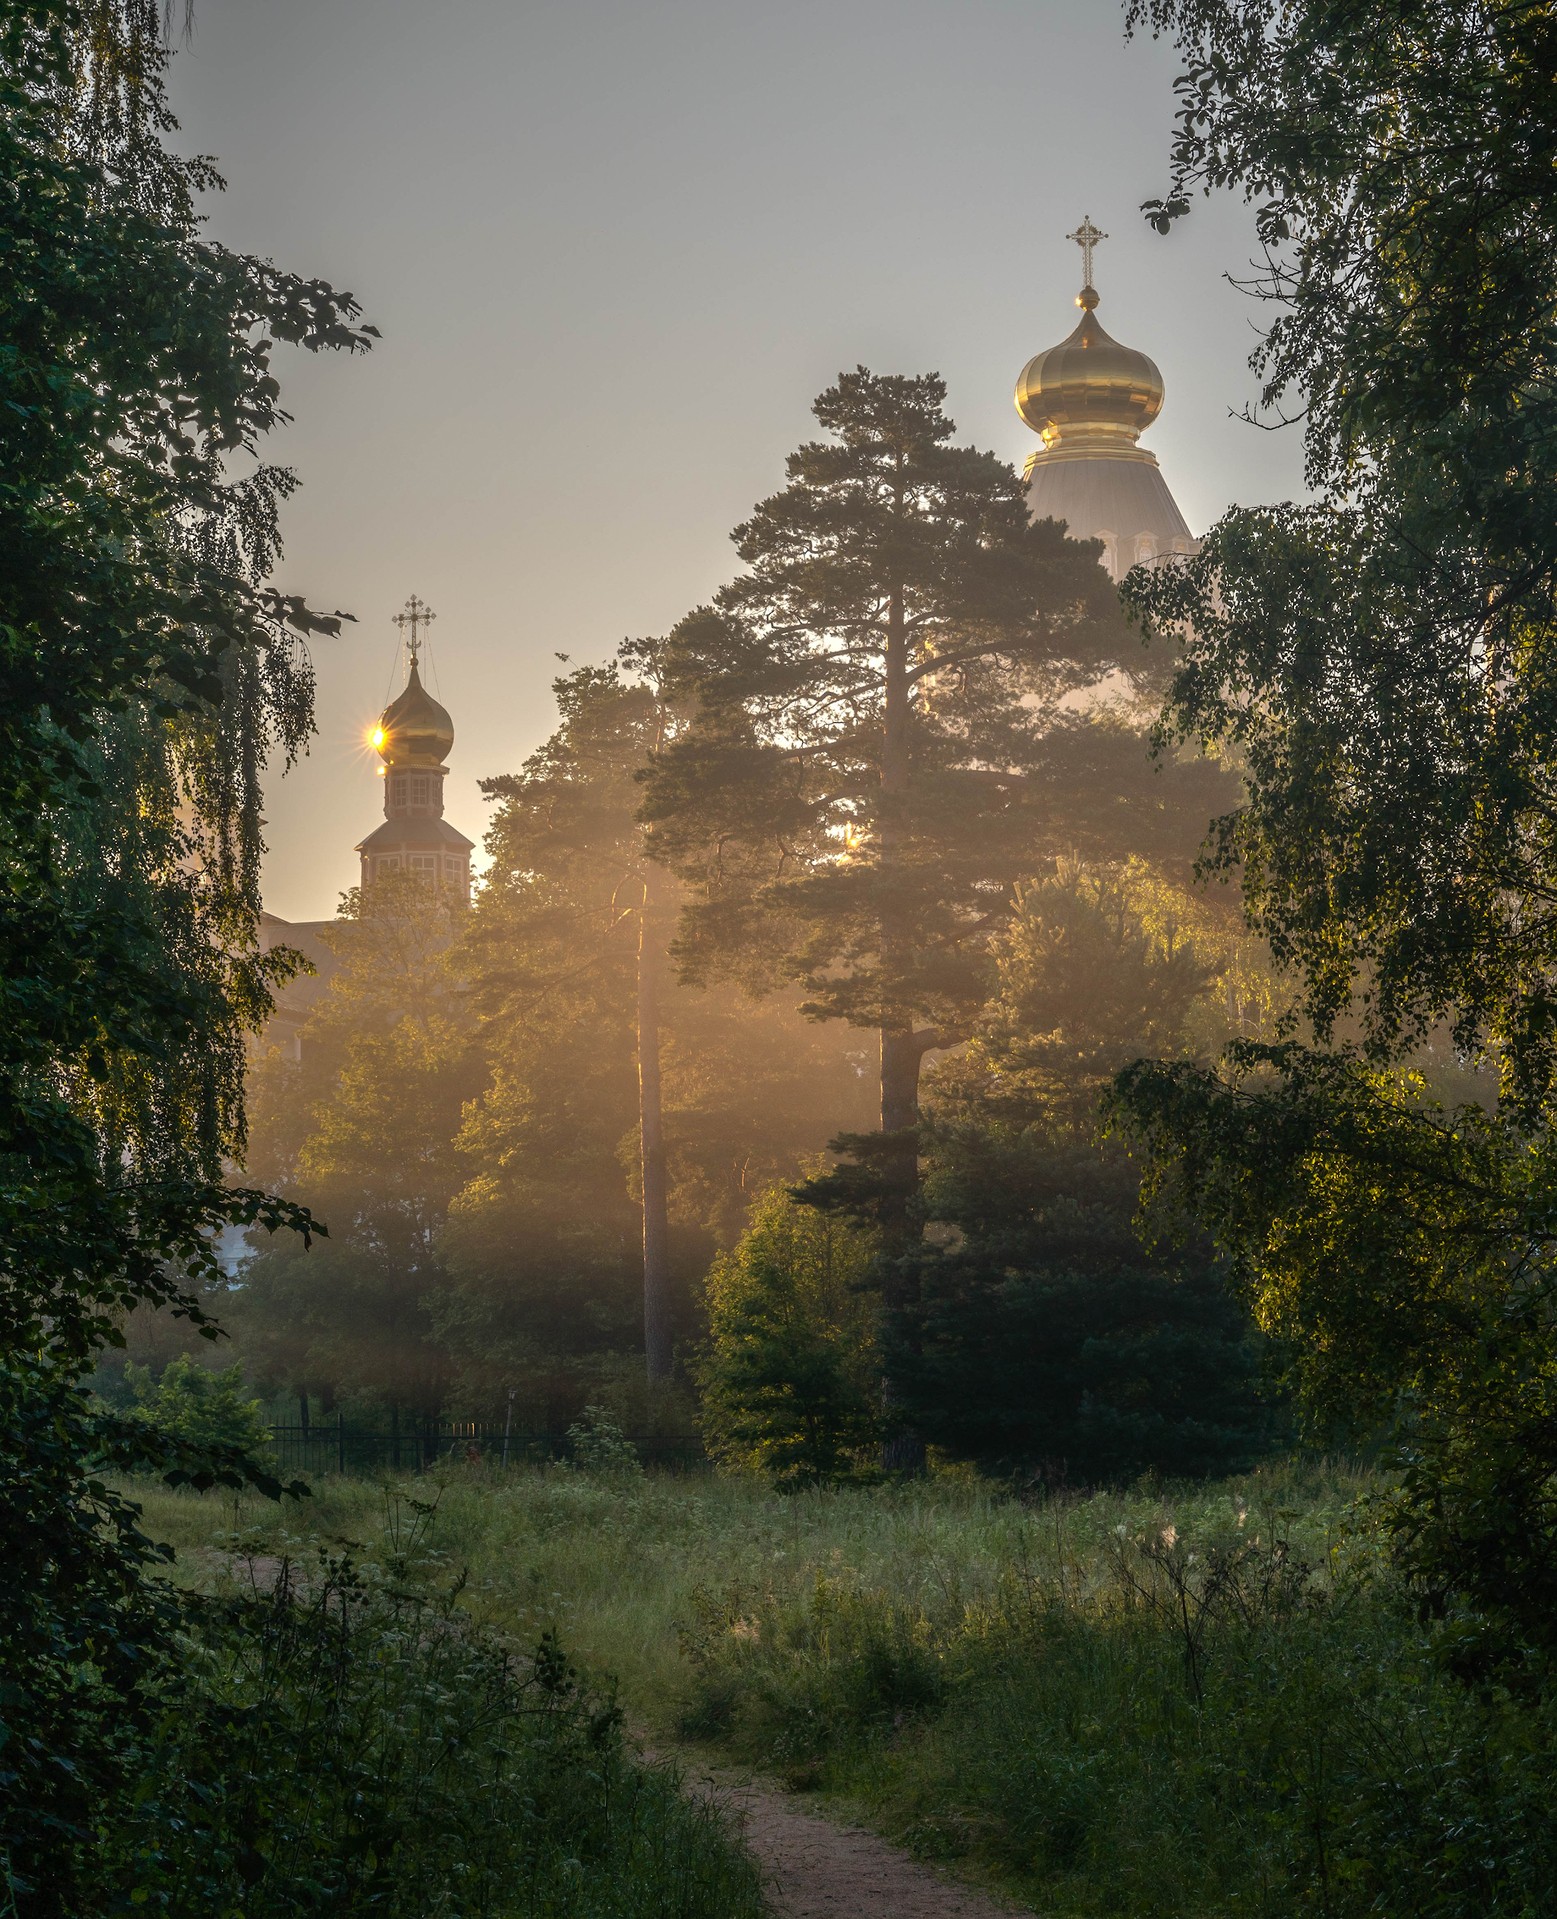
417, 614
1086, 237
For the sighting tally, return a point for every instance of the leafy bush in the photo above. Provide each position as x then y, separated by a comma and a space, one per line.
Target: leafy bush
90, 1637
84, 1634
1401, 1249
600, 1447
791, 1373
340, 1739
193, 1403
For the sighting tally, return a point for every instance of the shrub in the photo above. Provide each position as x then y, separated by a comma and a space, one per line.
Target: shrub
342, 1740
199, 1406
791, 1373
601, 1448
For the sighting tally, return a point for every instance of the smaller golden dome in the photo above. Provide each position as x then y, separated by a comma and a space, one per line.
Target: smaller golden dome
1089, 395
414, 730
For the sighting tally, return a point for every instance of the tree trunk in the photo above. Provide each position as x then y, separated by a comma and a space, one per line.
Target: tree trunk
902, 1450
651, 1137
899, 1055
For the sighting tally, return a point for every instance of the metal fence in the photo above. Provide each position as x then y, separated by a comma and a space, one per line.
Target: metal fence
331, 1446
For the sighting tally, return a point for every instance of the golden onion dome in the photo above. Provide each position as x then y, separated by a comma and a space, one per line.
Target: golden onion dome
1089, 396
414, 730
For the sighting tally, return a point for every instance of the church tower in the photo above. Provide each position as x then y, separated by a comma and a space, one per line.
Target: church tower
413, 738
1090, 399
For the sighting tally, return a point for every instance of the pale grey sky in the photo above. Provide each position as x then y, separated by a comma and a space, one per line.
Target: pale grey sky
615, 250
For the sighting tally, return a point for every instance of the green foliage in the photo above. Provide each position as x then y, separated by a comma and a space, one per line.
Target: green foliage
89, 1637
200, 1406
1379, 662
1044, 1337
149, 673
790, 1374
1080, 1368
1403, 1252
84, 1630
1094, 968
599, 1446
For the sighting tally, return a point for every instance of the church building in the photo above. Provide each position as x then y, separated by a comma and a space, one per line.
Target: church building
413, 739
1089, 399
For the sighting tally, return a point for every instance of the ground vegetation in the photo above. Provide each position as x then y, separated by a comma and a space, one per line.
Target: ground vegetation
1197, 1698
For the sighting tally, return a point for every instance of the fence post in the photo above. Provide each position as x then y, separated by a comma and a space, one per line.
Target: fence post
508, 1425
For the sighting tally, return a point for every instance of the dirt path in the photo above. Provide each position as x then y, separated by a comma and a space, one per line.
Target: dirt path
817, 1870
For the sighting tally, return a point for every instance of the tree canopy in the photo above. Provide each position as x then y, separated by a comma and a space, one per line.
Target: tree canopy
1380, 659
885, 735
1379, 662
150, 672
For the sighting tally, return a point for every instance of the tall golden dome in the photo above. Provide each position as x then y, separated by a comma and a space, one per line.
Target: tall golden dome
414, 730
1089, 397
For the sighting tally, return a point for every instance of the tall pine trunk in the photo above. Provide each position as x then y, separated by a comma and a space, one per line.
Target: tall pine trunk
651, 1138
900, 1055
902, 1450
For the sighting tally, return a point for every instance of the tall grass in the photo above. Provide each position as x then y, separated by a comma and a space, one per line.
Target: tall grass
1197, 1703
344, 1739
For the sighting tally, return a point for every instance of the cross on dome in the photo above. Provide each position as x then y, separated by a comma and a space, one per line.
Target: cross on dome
417, 614
1086, 237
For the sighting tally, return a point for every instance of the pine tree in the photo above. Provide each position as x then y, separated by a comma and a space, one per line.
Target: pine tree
884, 736
623, 1108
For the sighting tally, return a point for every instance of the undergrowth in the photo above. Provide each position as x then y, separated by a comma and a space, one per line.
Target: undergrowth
342, 1738
1183, 1705
1164, 1724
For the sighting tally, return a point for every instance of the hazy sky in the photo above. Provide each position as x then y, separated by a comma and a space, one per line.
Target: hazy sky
615, 250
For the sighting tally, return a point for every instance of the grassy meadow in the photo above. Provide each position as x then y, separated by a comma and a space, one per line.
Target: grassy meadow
1195, 1702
